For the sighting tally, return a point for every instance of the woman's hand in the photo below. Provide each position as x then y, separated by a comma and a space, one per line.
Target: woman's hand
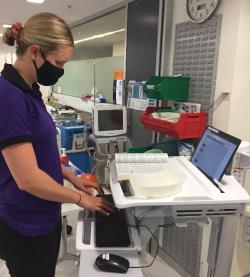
88, 186
83, 184
98, 204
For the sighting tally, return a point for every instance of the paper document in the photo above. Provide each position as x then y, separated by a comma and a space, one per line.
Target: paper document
134, 163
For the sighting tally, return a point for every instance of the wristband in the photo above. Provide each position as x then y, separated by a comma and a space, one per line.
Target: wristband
79, 199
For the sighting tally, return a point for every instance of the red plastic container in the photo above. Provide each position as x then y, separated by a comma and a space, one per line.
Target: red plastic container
189, 125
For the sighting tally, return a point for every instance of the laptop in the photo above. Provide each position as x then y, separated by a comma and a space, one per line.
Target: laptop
214, 153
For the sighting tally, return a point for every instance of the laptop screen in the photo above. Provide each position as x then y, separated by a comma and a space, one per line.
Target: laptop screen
214, 152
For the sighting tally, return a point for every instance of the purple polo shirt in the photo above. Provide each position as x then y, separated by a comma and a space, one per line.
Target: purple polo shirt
23, 118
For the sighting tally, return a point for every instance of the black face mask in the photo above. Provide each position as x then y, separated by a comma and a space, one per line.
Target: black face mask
48, 74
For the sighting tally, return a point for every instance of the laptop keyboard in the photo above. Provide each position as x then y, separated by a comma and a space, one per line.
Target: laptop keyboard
112, 230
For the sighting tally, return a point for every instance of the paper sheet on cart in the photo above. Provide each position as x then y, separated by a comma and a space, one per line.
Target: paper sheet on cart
137, 163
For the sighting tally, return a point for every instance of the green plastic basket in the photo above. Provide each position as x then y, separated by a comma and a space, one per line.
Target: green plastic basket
167, 88
139, 149
170, 147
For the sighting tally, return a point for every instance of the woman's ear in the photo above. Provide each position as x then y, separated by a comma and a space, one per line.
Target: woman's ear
34, 50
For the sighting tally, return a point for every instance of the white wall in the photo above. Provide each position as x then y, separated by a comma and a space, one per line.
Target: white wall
118, 49
240, 112
224, 82
233, 64
91, 52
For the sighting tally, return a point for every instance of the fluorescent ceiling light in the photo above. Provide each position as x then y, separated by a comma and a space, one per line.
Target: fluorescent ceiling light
99, 36
35, 1
1, 35
6, 25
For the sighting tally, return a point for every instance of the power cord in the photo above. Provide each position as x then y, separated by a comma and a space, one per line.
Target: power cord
158, 246
98, 164
86, 141
166, 225
155, 238
140, 217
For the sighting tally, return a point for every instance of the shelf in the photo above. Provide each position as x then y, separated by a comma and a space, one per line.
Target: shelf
74, 102
89, 252
135, 246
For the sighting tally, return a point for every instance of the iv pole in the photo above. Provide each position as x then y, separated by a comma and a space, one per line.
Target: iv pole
94, 63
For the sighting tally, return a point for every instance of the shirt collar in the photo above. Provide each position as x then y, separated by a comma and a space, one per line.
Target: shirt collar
11, 74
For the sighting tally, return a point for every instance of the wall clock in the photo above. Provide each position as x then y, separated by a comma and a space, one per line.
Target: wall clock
200, 10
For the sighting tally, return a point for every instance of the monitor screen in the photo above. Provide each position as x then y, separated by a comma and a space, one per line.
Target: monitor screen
110, 120
214, 152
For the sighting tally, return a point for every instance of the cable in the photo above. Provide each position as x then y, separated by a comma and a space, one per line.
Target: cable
98, 164
140, 217
158, 246
95, 172
166, 225
105, 156
86, 141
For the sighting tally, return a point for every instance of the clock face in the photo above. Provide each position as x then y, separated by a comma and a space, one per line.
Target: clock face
200, 10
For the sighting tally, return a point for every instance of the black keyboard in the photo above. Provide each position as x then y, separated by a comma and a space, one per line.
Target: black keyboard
112, 230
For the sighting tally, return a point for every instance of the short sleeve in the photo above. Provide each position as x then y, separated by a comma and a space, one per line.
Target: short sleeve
14, 122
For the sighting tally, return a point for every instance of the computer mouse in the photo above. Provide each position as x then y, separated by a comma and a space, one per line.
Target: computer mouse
112, 263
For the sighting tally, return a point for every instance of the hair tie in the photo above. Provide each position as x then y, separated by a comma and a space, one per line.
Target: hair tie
16, 30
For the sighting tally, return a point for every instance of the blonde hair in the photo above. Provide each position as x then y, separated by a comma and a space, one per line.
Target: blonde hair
47, 30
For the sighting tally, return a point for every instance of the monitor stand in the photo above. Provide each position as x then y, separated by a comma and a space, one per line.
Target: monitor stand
116, 144
106, 147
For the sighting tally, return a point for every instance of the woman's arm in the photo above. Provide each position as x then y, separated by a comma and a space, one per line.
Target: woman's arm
21, 161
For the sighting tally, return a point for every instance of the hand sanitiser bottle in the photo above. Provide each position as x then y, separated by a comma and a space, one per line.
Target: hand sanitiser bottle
68, 164
64, 158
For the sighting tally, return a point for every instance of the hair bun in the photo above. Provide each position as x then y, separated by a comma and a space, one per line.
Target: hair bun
12, 34
8, 37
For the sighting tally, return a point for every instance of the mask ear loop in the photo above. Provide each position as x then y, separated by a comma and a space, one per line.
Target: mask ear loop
43, 56
34, 63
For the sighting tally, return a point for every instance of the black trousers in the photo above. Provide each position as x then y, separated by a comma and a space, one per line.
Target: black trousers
29, 256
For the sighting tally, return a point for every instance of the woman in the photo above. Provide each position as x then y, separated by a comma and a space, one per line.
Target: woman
31, 175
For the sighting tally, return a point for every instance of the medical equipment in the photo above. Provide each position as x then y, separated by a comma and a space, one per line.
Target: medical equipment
73, 137
109, 120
